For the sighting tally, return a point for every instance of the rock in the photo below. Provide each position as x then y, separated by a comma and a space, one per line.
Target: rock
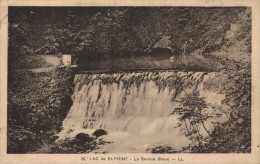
84, 137
99, 132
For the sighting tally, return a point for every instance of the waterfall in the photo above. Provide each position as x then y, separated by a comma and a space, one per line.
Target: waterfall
134, 108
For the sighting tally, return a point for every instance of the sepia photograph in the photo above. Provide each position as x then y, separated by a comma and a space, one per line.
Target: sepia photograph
129, 80
137, 83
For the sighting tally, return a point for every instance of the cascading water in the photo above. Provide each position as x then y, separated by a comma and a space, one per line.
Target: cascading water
134, 108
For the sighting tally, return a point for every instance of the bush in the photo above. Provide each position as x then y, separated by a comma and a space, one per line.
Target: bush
36, 111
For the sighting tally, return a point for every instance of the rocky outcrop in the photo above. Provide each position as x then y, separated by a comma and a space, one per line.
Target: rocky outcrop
84, 137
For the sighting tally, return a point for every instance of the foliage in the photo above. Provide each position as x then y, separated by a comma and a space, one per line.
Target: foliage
235, 134
107, 32
20, 36
232, 136
34, 114
192, 118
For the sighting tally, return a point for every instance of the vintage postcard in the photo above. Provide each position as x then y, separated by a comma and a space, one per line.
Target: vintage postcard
130, 81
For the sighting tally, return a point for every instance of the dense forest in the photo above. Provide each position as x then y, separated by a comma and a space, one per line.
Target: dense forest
105, 32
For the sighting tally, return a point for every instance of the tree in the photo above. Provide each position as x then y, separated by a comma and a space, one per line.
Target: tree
20, 35
192, 119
